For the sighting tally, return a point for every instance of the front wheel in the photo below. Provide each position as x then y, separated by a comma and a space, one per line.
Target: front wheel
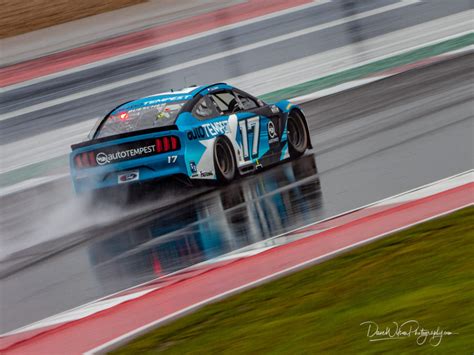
224, 161
297, 135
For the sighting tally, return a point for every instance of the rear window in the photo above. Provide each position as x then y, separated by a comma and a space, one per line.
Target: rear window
132, 118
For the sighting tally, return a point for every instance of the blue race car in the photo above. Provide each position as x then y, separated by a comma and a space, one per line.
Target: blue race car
211, 132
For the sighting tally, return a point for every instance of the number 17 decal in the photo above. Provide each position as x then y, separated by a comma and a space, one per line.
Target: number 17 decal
250, 124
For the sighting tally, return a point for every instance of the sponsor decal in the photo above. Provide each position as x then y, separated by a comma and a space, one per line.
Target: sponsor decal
172, 159
193, 167
208, 130
206, 173
196, 133
128, 176
107, 158
101, 158
167, 99
213, 88
272, 134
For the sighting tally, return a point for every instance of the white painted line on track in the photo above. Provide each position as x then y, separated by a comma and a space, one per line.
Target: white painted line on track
27, 184
431, 189
115, 343
83, 312
166, 44
237, 255
203, 60
48, 145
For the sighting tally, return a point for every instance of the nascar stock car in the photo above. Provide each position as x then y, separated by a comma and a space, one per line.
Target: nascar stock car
211, 132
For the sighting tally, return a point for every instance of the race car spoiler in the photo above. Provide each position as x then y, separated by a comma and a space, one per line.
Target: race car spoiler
124, 135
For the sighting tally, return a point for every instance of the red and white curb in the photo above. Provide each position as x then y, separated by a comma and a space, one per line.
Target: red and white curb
114, 320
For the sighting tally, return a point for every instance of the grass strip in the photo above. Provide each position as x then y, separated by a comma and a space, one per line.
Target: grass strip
369, 69
42, 168
425, 273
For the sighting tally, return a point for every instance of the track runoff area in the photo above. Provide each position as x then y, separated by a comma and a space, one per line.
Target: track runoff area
106, 324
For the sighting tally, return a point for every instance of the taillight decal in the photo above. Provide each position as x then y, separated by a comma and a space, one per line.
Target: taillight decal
174, 143
127, 151
85, 160
166, 144
159, 145
92, 160
78, 161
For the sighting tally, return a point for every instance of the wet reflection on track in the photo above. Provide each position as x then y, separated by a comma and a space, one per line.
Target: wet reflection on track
249, 210
230, 218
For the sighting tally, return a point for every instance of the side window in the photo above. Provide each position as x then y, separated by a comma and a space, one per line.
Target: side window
247, 102
206, 108
226, 102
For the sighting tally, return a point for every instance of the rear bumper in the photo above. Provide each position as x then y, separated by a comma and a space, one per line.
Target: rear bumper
120, 164
128, 172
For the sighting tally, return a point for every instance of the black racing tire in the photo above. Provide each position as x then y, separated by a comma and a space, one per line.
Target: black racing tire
224, 161
298, 137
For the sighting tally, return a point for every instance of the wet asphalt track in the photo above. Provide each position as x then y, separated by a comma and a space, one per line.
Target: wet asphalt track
370, 143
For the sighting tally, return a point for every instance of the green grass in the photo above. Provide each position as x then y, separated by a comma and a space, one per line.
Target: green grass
425, 273
370, 69
43, 168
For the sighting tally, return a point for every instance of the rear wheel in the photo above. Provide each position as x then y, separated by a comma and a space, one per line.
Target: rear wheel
297, 135
224, 161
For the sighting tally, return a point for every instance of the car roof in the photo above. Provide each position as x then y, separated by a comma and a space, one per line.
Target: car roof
184, 94
188, 91
177, 95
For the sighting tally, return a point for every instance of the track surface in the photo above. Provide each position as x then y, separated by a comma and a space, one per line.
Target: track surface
370, 143
43, 120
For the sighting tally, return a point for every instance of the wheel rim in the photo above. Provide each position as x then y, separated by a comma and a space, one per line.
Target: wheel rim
296, 133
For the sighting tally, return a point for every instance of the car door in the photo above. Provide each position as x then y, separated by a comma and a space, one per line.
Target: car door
263, 127
244, 125
253, 127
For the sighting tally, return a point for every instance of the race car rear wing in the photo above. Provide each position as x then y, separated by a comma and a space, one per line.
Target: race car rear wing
124, 135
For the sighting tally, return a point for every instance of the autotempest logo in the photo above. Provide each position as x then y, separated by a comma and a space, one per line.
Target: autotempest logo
208, 130
107, 158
